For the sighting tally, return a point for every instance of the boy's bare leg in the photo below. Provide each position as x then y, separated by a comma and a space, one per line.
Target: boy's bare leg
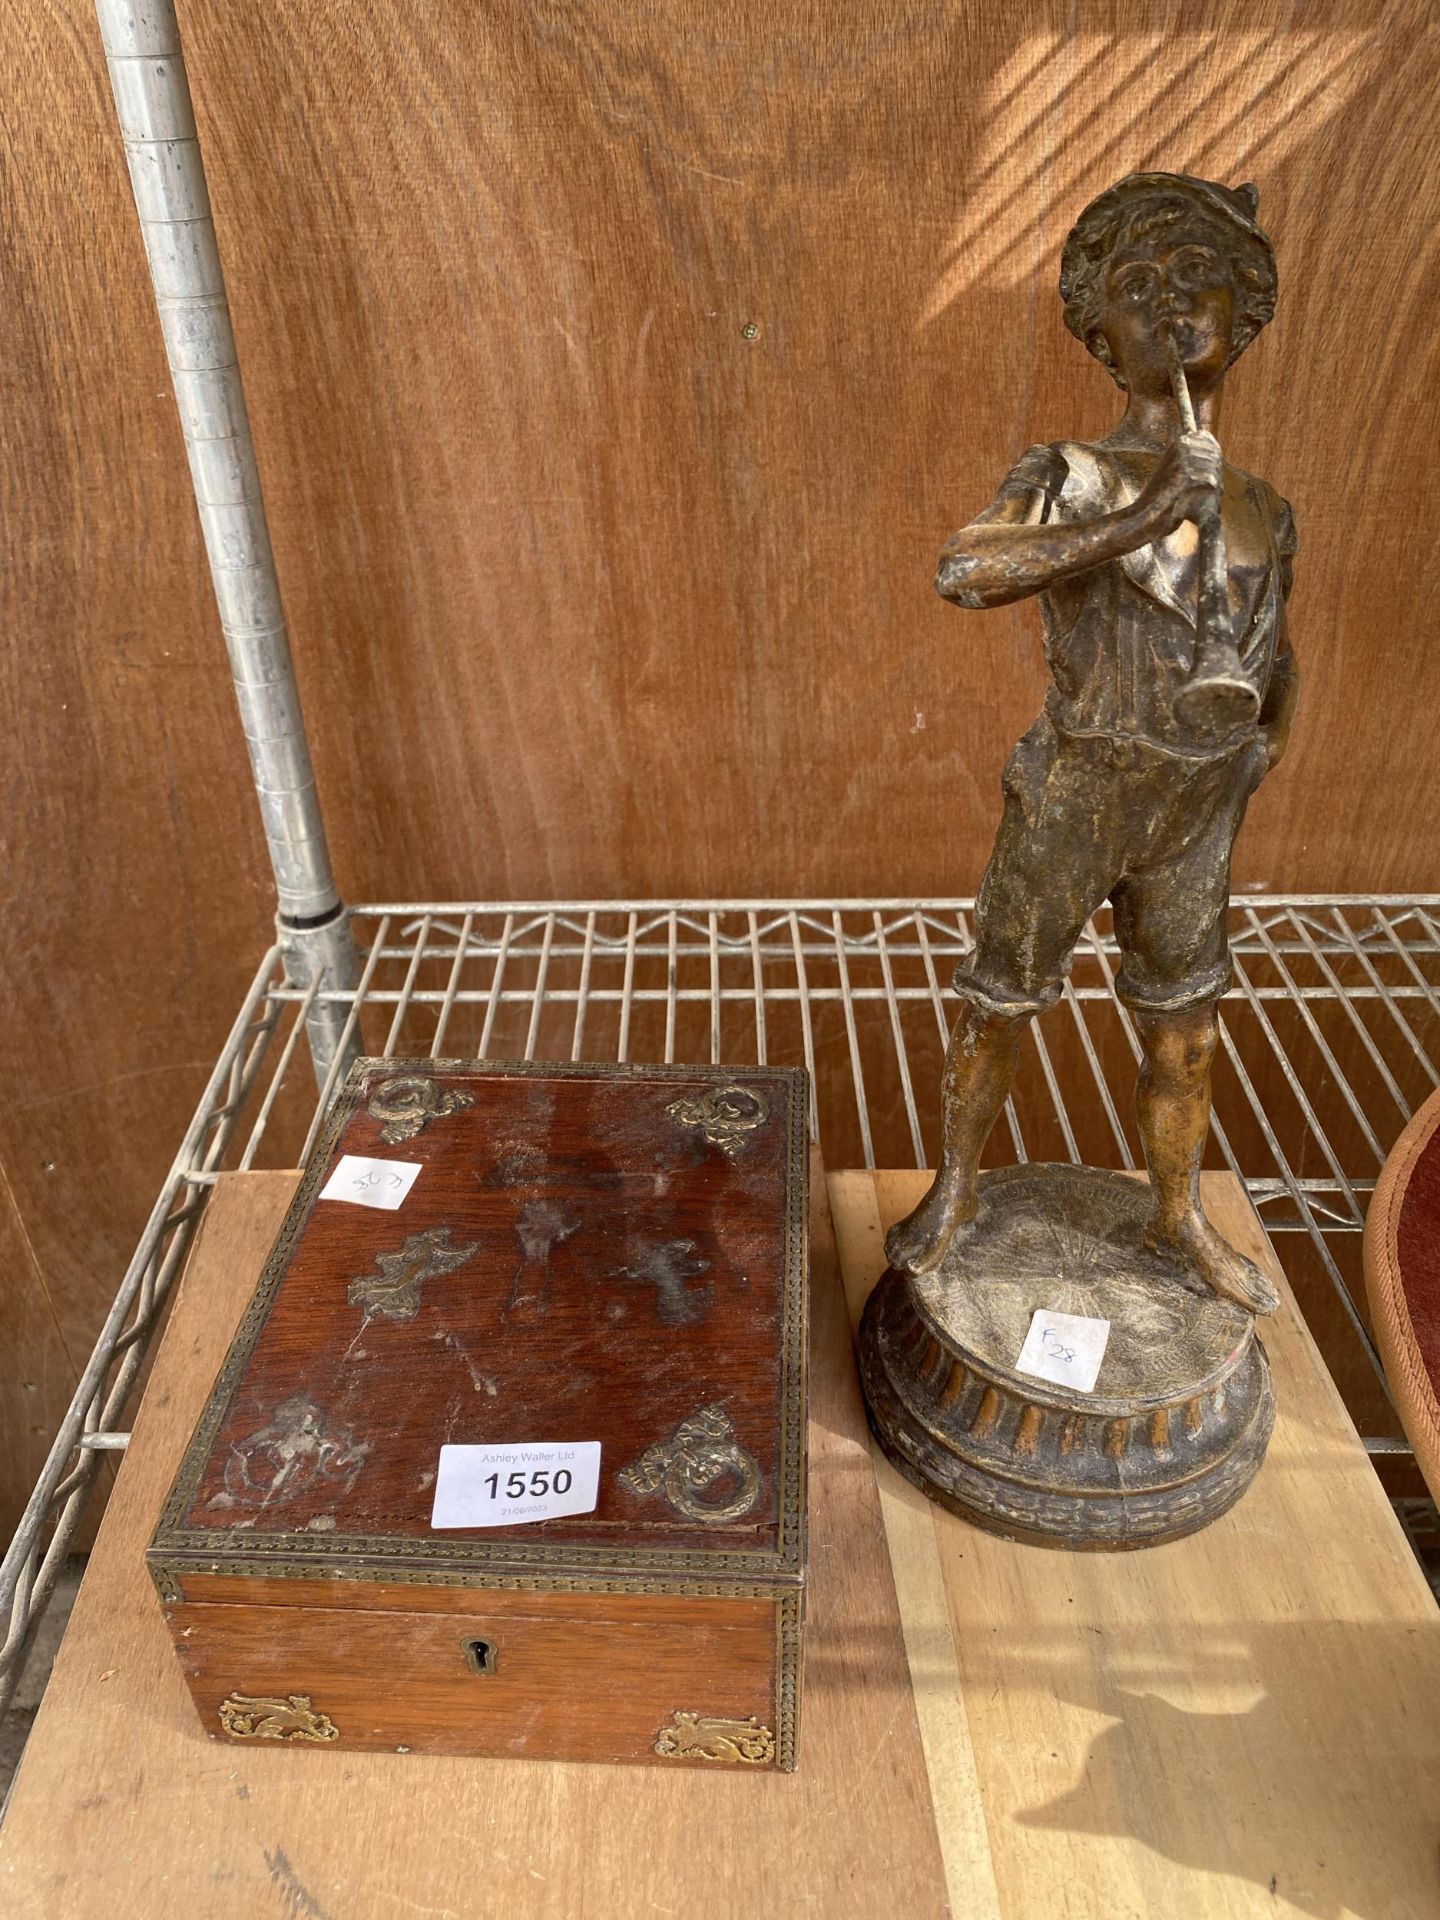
979, 1071
1173, 1099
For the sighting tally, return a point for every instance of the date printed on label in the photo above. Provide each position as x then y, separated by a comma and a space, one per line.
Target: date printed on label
513, 1485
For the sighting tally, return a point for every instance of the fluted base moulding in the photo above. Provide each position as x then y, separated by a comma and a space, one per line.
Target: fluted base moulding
1181, 1413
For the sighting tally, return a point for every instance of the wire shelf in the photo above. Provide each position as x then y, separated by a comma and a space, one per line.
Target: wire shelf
1330, 1038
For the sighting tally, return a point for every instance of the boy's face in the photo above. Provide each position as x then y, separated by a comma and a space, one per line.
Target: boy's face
1179, 278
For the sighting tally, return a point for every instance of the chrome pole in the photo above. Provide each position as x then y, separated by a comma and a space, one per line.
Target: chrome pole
146, 63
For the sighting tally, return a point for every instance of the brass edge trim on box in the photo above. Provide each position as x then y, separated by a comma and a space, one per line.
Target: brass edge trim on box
789, 1558
381, 1556
168, 1572
795, 1335
790, 1614
381, 1551
252, 1321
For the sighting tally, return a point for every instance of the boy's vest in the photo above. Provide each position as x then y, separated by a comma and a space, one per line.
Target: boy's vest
1120, 639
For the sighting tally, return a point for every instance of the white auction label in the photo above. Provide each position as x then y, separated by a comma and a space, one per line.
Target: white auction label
371, 1183
1064, 1348
506, 1486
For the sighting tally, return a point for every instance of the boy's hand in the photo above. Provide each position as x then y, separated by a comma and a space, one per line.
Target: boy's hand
1184, 486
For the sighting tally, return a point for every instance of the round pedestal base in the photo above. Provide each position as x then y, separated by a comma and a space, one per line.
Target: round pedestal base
1182, 1409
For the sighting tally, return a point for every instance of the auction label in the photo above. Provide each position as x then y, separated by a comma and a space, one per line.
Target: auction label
506, 1486
371, 1183
1065, 1348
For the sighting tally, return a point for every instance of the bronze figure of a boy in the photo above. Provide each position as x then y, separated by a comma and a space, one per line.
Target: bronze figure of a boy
1112, 794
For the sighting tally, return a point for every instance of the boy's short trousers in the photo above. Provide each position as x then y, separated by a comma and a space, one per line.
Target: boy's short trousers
1092, 817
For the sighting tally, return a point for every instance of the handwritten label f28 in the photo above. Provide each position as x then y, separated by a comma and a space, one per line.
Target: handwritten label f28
1065, 1348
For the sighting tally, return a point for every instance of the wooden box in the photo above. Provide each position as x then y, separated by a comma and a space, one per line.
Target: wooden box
586, 1254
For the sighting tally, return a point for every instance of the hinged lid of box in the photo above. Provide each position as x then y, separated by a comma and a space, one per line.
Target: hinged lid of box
531, 1253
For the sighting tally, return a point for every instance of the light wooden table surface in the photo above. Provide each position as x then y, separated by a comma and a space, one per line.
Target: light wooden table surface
1242, 1723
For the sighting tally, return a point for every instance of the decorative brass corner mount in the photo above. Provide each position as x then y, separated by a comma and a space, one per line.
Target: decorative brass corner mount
727, 1116
408, 1101
263, 1716
702, 1453
697, 1736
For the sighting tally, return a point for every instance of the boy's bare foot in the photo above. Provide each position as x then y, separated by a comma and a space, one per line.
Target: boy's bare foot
918, 1243
1229, 1273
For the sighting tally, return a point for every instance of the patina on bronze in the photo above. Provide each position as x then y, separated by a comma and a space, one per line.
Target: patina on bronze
1162, 573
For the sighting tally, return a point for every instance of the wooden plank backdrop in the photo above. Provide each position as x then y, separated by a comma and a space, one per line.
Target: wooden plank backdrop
616, 374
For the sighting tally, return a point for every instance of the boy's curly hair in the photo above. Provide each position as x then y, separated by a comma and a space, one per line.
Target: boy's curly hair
1144, 204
